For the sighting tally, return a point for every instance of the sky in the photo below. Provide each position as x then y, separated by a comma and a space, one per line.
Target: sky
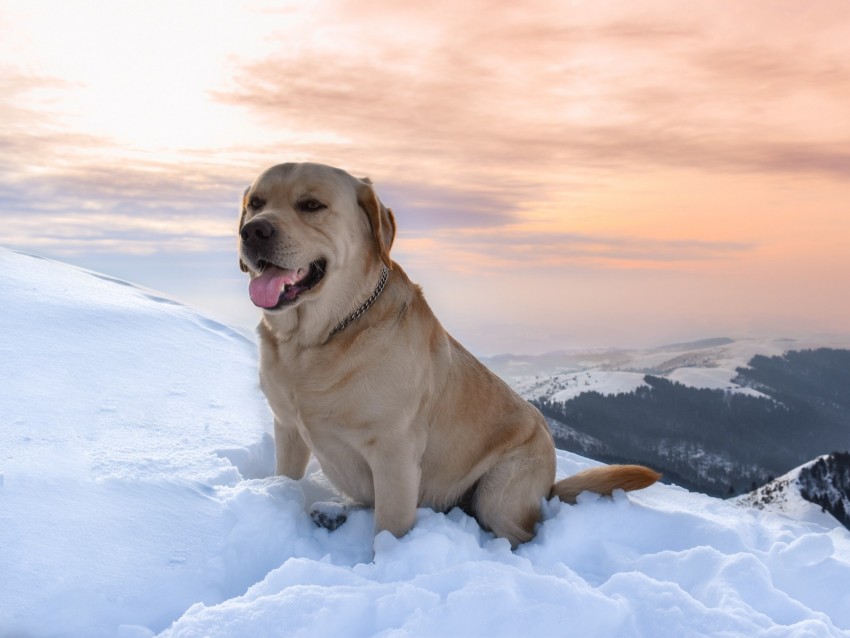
563, 174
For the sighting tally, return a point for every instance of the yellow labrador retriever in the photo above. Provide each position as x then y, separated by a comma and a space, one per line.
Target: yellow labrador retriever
359, 372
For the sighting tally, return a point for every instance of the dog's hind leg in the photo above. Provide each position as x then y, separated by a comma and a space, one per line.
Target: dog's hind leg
508, 496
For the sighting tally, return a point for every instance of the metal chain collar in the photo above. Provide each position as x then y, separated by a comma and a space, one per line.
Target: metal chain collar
354, 316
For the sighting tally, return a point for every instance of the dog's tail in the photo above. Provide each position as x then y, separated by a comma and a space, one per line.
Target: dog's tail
604, 480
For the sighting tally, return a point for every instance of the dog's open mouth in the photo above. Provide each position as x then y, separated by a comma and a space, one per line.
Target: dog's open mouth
276, 287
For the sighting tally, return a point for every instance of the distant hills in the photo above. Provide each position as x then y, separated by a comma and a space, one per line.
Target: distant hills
721, 416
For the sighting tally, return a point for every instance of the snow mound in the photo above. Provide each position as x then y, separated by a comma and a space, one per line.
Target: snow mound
135, 500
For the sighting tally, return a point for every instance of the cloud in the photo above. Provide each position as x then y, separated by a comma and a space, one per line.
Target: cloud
539, 91
423, 208
466, 116
512, 249
824, 159
142, 208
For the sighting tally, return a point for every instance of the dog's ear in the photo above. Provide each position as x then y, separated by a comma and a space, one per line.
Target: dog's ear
244, 212
380, 218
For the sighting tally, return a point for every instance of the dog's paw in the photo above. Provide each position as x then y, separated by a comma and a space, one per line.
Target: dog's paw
329, 515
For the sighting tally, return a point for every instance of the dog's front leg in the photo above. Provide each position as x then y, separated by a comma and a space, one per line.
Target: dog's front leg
396, 475
290, 451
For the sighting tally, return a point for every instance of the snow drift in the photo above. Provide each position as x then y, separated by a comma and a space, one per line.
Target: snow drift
135, 500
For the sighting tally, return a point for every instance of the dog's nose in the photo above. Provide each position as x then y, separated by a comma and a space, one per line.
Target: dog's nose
261, 229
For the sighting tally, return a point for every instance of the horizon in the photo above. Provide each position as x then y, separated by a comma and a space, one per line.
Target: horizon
563, 176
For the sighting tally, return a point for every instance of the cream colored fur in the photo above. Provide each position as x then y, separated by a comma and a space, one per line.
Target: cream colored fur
396, 411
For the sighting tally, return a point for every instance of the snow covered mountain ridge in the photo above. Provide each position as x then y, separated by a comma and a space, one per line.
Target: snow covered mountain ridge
706, 364
136, 500
823, 485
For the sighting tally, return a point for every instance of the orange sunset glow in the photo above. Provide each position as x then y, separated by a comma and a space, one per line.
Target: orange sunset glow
563, 173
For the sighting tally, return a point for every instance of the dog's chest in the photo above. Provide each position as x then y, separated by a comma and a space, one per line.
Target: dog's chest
323, 405
316, 388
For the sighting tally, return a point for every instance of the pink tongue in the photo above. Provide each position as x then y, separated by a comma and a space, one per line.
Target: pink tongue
265, 290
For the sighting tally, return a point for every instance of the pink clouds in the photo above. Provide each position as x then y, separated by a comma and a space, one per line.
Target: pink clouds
525, 92
705, 141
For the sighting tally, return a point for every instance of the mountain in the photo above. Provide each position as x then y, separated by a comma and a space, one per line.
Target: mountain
136, 500
820, 486
707, 363
721, 416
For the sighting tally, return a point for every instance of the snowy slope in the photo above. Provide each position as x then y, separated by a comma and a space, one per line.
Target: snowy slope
782, 496
825, 478
565, 386
134, 452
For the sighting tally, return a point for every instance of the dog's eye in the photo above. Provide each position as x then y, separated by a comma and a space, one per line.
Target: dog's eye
255, 203
310, 205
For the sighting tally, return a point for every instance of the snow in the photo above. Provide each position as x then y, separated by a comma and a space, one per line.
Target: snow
563, 387
711, 379
135, 500
783, 495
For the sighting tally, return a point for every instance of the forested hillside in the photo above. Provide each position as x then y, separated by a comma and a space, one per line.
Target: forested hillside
826, 482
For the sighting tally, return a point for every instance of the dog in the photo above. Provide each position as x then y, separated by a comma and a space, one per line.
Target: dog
360, 373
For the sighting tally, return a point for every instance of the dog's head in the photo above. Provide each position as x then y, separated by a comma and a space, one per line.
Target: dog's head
305, 228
